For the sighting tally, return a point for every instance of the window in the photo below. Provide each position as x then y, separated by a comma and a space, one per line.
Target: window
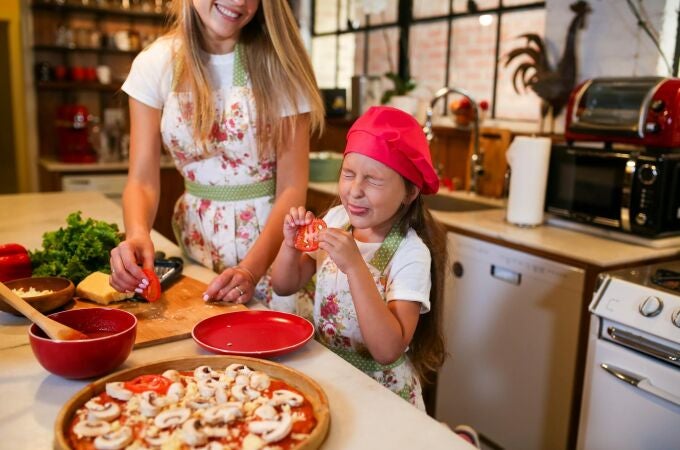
457, 43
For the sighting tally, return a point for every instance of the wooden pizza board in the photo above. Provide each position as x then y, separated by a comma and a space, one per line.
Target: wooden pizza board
171, 318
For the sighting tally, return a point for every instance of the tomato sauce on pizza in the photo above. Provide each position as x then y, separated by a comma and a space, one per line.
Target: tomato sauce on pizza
234, 408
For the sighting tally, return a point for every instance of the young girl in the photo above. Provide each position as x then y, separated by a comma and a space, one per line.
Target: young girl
231, 94
379, 268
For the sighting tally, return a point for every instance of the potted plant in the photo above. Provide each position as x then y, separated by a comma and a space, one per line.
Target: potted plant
397, 96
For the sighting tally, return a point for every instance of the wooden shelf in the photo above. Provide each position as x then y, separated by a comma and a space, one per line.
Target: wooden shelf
60, 48
77, 85
69, 7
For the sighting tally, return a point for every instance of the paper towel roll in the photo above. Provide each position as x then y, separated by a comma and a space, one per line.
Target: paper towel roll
528, 158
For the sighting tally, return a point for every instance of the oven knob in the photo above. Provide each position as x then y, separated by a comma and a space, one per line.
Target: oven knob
641, 218
647, 174
675, 318
651, 306
657, 105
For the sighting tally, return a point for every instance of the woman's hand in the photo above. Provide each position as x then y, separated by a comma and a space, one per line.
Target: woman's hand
296, 217
126, 274
341, 247
235, 284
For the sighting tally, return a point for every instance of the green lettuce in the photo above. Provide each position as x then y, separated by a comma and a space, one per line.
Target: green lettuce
76, 251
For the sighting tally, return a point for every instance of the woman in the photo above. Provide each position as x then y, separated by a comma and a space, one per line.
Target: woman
231, 94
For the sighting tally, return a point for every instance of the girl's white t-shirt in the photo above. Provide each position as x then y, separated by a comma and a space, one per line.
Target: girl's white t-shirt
408, 273
150, 77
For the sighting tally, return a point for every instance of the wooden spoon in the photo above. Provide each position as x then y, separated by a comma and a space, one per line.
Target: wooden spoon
52, 328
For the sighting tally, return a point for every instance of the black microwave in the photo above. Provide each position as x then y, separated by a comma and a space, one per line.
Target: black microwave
631, 191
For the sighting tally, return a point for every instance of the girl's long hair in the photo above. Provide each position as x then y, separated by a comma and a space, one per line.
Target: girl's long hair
427, 350
276, 62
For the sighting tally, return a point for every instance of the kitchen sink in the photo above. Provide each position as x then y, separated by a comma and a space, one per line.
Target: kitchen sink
454, 204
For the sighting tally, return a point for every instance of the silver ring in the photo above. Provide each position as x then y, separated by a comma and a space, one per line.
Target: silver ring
240, 291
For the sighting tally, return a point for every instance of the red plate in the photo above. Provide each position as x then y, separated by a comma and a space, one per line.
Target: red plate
253, 333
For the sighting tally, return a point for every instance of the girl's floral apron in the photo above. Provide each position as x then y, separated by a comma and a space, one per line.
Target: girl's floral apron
229, 186
337, 325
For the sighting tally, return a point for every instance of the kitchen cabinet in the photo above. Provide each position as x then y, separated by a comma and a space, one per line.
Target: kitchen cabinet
109, 179
82, 52
511, 323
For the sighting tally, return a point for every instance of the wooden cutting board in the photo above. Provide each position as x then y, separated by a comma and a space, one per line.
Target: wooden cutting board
172, 317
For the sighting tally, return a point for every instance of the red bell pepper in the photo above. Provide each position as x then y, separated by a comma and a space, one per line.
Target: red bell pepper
14, 262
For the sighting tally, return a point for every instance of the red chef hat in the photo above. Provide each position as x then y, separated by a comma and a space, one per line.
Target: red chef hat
395, 139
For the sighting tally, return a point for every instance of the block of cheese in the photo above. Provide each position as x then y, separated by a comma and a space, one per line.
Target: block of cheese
96, 287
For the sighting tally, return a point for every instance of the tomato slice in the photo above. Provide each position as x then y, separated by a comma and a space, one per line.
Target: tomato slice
143, 383
307, 236
153, 290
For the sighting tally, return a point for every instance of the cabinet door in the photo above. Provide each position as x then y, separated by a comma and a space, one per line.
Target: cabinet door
511, 322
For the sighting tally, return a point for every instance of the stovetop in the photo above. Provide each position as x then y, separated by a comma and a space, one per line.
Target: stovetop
643, 299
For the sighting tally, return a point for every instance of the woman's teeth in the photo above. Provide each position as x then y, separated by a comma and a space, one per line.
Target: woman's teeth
226, 12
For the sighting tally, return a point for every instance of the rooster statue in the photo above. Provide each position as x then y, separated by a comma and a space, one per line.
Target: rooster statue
553, 86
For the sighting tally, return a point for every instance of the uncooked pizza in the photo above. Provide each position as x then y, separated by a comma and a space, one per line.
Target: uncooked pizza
231, 408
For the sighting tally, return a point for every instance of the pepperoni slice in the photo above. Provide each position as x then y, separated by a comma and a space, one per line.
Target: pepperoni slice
307, 237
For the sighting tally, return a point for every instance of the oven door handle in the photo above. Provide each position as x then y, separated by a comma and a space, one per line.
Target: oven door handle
644, 345
641, 383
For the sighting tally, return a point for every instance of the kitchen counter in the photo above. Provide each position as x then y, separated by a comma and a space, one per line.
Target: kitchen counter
547, 239
364, 415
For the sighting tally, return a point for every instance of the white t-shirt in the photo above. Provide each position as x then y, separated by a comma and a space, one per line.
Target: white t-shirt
408, 273
150, 77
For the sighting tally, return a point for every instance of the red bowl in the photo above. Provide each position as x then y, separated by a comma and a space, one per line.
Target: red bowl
112, 332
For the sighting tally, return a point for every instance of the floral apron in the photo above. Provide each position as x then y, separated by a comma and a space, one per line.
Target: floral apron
229, 187
338, 327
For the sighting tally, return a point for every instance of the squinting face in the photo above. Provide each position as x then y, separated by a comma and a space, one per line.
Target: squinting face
223, 21
371, 193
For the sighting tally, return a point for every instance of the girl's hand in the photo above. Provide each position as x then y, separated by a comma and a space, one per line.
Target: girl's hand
341, 247
126, 274
235, 285
296, 217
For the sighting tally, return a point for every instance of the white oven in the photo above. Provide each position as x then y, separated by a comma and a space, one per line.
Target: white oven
631, 396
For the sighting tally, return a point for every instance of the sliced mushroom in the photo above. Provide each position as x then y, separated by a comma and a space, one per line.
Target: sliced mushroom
192, 432
283, 396
221, 395
117, 390
242, 378
175, 392
222, 414
235, 369
89, 428
150, 403
244, 392
208, 387
212, 445
153, 436
97, 411
172, 375
114, 440
205, 372
267, 412
199, 402
172, 417
259, 381
272, 430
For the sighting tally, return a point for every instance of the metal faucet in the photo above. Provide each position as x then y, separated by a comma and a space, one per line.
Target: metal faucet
476, 167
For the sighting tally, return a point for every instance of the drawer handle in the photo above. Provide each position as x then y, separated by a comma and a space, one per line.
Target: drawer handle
641, 383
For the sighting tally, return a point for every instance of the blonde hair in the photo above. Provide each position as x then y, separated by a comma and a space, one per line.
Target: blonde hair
276, 62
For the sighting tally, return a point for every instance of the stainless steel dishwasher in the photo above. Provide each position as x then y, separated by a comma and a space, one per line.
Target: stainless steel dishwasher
511, 322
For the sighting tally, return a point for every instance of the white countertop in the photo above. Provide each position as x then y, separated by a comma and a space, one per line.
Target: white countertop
364, 415
587, 248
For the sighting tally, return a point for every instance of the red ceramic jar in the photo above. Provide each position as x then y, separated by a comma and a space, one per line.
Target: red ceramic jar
112, 333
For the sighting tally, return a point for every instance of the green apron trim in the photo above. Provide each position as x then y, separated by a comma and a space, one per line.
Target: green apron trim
365, 363
231, 193
239, 67
380, 260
